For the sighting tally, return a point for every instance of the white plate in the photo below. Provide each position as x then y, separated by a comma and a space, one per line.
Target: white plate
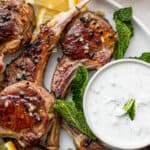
139, 44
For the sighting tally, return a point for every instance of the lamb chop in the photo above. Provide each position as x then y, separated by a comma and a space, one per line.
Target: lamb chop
81, 140
24, 108
30, 66
17, 21
90, 40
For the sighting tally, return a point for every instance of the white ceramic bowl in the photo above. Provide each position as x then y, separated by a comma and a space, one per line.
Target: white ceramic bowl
86, 103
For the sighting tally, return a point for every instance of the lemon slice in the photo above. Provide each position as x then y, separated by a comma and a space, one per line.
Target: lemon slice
7, 146
10, 145
73, 3
48, 8
44, 14
59, 5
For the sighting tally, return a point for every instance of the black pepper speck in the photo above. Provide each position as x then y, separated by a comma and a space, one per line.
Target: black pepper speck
110, 36
21, 94
91, 33
84, 20
6, 17
35, 59
87, 142
101, 32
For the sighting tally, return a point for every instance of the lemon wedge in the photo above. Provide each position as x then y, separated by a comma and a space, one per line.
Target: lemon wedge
44, 14
73, 3
46, 9
59, 5
10, 145
7, 146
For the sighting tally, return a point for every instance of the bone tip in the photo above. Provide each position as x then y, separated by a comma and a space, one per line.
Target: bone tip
82, 4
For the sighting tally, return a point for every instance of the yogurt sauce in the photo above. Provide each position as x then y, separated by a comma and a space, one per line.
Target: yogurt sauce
105, 97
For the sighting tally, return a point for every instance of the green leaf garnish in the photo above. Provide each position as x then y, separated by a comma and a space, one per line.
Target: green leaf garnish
78, 85
123, 18
145, 57
130, 108
124, 14
74, 116
72, 111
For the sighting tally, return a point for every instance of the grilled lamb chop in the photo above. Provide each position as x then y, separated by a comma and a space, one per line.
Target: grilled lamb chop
17, 21
89, 36
30, 66
88, 40
82, 141
24, 108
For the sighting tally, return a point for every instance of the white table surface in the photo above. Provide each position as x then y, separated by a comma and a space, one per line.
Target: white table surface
141, 9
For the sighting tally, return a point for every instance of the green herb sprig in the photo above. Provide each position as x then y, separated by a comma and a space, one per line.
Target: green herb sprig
78, 85
145, 57
130, 108
123, 20
72, 111
74, 116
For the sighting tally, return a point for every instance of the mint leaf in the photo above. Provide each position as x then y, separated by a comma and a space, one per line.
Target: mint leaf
78, 85
129, 108
74, 116
72, 111
122, 44
145, 57
124, 14
123, 18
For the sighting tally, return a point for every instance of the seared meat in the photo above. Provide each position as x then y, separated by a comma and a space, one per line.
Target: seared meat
24, 108
88, 40
64, 73
17, 21
89, 36
82, 141
63, 76
30, 65
2, 66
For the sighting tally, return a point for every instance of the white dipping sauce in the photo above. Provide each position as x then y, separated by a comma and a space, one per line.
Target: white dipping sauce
105, 97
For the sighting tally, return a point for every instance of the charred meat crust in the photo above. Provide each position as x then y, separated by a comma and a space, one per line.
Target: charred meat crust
24, 108
17, 21
30, 65
89, 40
63, 76
89, 36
